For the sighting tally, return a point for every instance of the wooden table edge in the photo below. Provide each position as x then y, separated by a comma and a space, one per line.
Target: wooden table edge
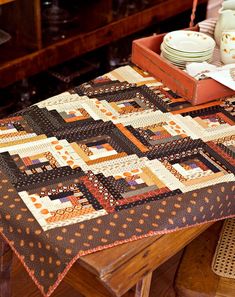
123, 277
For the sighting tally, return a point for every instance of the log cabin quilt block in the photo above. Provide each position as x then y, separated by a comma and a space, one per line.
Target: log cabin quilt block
116, 159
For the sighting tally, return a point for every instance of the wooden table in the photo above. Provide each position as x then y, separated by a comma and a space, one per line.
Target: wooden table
114, 271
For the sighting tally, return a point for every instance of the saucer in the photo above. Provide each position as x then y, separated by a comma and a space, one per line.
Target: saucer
189, 41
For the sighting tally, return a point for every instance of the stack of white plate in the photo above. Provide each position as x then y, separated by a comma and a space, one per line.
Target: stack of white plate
182, 47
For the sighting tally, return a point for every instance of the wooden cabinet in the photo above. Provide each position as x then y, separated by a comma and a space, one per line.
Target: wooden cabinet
29, 52
22, 20
5, 1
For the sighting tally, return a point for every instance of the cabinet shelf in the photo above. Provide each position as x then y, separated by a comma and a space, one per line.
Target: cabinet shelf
35, 61
5, 1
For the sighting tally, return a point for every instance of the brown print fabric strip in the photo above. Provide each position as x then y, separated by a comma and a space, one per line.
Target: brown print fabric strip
89, 170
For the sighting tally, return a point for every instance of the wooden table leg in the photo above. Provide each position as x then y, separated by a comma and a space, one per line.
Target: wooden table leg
143, 286
5, 268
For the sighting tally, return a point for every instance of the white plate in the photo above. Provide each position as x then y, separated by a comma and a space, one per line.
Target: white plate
185, 54
185, 60
189, 41
176, 56
181, 64
173, 63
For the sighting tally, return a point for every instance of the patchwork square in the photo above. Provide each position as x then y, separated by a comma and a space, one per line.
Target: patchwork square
225, 150
160, 133
154, 132
14, 130
36, 163
197, 167
170, 100
62, 204
118, 106
132, 181
98, 149
104, 141
208, 124
73, 113
32, 164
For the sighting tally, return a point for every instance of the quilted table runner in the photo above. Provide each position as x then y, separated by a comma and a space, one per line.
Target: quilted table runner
117, 159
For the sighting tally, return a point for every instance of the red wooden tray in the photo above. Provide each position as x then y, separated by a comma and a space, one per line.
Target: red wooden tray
146, 54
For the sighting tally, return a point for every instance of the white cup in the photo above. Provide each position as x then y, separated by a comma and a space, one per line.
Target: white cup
227, 46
